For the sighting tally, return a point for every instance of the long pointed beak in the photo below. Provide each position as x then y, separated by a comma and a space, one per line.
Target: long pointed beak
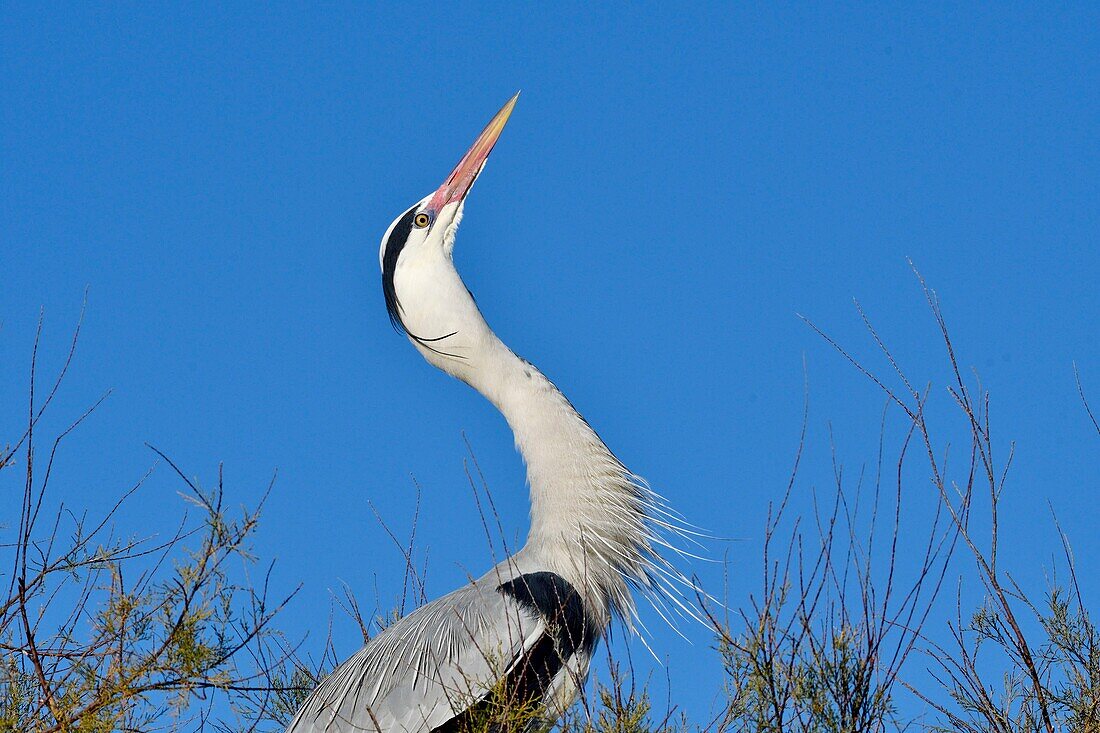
462, 178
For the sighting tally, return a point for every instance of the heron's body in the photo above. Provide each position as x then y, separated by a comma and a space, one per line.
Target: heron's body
441, 666
524, 633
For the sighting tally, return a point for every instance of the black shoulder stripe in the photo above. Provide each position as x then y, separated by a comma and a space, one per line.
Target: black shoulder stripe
560, 605
569, 629
398, 237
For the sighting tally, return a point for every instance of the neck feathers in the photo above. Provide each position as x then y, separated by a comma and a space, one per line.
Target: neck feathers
592, 520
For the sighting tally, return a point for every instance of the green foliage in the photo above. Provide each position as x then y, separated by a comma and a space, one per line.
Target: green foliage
286, 693
619, 706
1065, 652
108, 633
1072, 652
130, 657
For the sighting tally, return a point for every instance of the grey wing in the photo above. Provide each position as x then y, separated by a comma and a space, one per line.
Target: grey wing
427, 668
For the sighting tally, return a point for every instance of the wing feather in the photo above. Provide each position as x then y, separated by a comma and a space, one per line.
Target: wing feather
427, 668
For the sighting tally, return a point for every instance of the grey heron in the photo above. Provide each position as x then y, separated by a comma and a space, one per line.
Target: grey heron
524, 633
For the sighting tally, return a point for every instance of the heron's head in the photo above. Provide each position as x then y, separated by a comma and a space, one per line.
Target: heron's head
424, 296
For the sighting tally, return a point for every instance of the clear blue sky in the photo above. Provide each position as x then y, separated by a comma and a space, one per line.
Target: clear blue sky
675, 185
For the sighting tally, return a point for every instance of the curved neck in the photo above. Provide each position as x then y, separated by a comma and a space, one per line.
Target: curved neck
590, 518
568, 465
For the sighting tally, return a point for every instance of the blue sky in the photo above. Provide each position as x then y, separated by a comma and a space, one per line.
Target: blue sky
675, 185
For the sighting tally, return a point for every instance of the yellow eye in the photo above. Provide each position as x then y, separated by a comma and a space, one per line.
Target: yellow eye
422, 220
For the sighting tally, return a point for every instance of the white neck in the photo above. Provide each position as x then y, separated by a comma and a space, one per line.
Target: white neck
592, 520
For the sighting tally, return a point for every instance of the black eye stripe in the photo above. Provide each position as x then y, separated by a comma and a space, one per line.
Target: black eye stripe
396, 242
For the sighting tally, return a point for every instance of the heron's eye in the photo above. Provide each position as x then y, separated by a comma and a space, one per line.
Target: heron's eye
422, 220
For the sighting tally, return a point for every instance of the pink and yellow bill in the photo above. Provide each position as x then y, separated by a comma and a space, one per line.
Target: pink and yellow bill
462, 178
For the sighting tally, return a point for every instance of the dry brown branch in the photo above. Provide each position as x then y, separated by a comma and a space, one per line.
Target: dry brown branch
822, 645
101, 632
1051, 684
